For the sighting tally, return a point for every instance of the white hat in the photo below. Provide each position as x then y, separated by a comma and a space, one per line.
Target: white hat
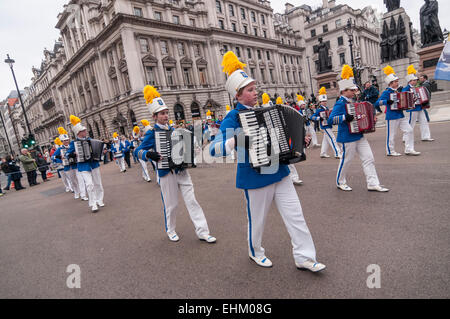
63, 135
390, 75
323, 94
153, 98
77, 127
411, 74
237, 78
300, 100
348, 79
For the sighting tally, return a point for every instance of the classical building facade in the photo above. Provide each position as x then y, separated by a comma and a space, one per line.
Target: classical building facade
15, 126
110, 49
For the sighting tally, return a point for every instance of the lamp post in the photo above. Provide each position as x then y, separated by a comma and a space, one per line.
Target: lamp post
11, 62
310, 78
349, 30
6, 132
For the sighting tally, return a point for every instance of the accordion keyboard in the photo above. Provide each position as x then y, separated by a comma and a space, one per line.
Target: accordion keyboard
162, 140
258, 135
354, 127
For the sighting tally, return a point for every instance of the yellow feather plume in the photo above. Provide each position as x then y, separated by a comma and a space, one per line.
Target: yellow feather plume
265, 98
115, 135
150, 93
136, 129
208, 113
411, 69
323, 91
74, 120
388, 70
300, 98
170, 122
228, 108
347, 72
231, 63
58, 141
279, 100
145, 123
61, 130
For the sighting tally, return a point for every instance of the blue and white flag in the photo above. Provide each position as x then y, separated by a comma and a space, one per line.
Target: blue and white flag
443, 66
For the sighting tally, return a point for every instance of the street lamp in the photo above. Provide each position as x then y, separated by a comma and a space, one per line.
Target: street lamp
349, 28
10, 62
310, 78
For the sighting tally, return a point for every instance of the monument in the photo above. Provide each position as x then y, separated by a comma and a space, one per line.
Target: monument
326, 77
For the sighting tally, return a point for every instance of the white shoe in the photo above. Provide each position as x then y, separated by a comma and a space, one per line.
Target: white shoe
311, 266
412, 153
77, 196
173, 236
262, 261
101, 204
68, 190
378, 188
297, 181
428, 139
84, 198
344, 187
324, 156
394, 154
208, 238
95, 208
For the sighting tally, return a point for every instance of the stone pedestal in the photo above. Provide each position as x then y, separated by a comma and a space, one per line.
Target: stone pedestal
429, 57
329, 81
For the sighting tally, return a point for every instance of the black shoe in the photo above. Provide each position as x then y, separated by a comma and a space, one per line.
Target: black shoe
6, 189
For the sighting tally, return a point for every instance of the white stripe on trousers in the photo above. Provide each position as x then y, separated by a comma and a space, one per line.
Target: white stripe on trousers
94, 187
392, 128
171, 184
329, 140
288, 204
362, 148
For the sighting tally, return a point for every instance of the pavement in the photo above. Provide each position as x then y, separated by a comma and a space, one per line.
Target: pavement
123, 251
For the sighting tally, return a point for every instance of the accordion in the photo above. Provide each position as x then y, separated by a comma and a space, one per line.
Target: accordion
421, 96
274, 131
324, 115
64, 160
88, 150
364, 121
176, 149
402, 101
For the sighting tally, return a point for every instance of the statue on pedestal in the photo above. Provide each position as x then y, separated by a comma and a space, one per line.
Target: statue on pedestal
431, 32
402, 39
324, 63
392, 4
384, 43
393, 41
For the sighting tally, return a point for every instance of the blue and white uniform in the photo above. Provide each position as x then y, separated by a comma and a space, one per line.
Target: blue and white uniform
309, 128
118, 149
352, 144
69, 175
418, 114
395, 120
61, 171
260, 190
172, 182
329, 140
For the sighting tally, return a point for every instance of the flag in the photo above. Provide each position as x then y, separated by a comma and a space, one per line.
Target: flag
443, 66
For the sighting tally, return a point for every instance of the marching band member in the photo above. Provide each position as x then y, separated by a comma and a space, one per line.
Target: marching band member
395, 119
171, 181
136, 142
418, 112
89, 170
352, 143
60, 168
260, 189
69, 168
309, 128
328, 136
117, 149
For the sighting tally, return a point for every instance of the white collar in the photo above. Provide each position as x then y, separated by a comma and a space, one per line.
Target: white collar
164, 127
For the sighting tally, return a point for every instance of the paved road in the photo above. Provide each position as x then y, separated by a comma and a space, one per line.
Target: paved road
123, 251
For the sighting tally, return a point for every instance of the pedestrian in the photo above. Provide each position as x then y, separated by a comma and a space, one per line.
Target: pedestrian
261, 190
14, 171
42, 166
306, 113
370, 94
30, 166
425, 83
172, 181
352, 143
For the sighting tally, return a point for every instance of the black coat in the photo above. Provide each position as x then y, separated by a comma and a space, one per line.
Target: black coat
14, 170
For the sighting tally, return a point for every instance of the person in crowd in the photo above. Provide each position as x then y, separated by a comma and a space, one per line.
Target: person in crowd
14, 171
371, 94
30, 166
42, 166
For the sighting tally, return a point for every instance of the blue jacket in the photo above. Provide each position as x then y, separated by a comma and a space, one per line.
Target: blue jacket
316, 117
246, 177
337, 117
86, 166
57, 160
148, 144
114, 150
418, 105
390, 115
127, 146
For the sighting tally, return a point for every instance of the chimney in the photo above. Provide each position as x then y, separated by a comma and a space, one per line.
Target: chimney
324, 4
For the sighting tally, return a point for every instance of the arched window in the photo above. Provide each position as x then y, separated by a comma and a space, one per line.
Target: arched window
97, 129
90, 132
179, 112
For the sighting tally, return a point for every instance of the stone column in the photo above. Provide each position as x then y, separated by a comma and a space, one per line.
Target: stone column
133, 58
194, 63
161, 72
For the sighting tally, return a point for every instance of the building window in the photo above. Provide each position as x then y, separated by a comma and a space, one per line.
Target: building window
299, 76
265, 33
150, 74
259, 54
186, 76
197, 49
144, 45
170, 78
158, 16
249, 53
340, 40
245, 29
284, 59
192, 22
243, 14
253, 15
231, 9
292, 60
138, 12
202, 76
164, 49
252, 73
263, 19
176, 19
238, 52
255, 32
233, 27
325, 28
313, 33
181, 49
288, 77
218, 6
268, 55
221, 24
338, 23
342, 58
225, 48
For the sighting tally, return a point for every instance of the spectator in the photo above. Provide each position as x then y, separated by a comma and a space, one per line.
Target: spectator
5, 170
53, 150
371, 94
127, 150
424, 82
14, 172
42, 166
30, 166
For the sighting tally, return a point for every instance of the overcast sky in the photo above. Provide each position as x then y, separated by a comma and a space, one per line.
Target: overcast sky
28, 26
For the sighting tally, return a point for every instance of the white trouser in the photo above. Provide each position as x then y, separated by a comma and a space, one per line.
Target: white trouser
81, 184
310, 130
288, 204
293, 174
120, 161
424, 127
145, 174
94, 187
391, 129
171, 184
66, 181
364, 151
329, 140
72, 176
